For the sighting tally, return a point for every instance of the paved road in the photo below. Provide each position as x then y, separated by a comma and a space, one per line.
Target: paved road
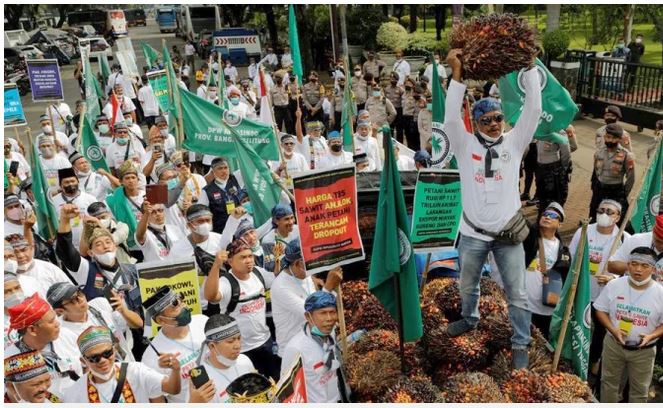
579, 194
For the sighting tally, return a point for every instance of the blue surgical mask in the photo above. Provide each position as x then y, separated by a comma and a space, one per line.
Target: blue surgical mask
122, 140
234, 100
248, 207
376, 93
429, 106
317, 332
173, 183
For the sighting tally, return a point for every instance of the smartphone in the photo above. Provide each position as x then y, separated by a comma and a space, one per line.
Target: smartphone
108, 294
158, 147
185, 157
13, 168
199, 376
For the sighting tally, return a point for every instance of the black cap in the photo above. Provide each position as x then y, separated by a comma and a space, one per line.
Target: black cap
614, 110
65, 173
614, 130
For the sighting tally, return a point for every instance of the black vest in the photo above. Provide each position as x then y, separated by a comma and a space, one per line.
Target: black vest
93, 290
218, 198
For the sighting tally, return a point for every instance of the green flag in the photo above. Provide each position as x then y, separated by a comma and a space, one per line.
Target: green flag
392, 277
208, 130
558, 106
647, 206
93, 91
105, 67
159, 82
90, 147
151, 55
6, 179
172, 79
47, 216
119, 206
294, 45
575, 346
258, 180
440, 147
349, 110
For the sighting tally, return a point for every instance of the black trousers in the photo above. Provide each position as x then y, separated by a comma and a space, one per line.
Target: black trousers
529, 167
601, 191
397, 125
266, 362
319, 115
542, 323
284, 119
338, 116
411, 132
552, 184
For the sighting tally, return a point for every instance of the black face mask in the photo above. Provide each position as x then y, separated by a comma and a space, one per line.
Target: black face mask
336, 147
408, 88
610, 120
611, 145
71, 189
279, 80
183, 318
394, 82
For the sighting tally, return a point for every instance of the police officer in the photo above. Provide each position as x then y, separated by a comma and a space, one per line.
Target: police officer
394, 93
312, 96
552, 182
373, 66
280, 94
612, 163
337, 104
221, 195
360, 88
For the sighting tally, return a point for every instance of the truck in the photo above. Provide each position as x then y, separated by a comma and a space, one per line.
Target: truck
116, 24
94, 17
198, 19
16, 37
237, 44
167, 19
135, 17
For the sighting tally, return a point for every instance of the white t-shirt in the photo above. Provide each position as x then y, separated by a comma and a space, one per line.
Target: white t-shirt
232, 73
402, 68
115, 153
125, 105
96, 185
599, 249
491, 202
46, 273
153, 249
270, 238
295, 165
11, 228
250, 316
428, 73
223, 378
82, 201
288, 296
189, 349
320, 149
60, 112
332, 161
148, 101
50, 168
534, 278
643, 307
405, 163
370, 147
145, 384
23, 170
643, 239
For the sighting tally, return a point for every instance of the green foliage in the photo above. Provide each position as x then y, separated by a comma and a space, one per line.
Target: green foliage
405, 22
363, 22
556, 42
419, 42
392, 36
392, 19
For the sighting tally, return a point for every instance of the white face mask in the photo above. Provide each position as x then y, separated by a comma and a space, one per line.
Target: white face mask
47, 129
105, 222
104, 128
107, 258
18, 396
604, 220
81, 174
159, 227
203, 229
14, 214
128, 121
14, 299
103, 377
11, 265
164, 132
26, 266
639, 284
224, 360
47, 152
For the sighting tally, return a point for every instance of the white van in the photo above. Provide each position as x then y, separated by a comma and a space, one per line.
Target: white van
116, 23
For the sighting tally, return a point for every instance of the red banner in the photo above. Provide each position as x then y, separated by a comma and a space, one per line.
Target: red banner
326, 206
292, 387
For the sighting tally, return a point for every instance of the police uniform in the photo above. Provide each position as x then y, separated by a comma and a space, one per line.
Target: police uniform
360, 90
222, 202
280, 95
610, 168
373, 67
312, 94
395, 96
552, 173
409, 124
337, 104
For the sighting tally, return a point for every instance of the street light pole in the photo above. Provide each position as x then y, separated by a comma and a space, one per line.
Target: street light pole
344, 33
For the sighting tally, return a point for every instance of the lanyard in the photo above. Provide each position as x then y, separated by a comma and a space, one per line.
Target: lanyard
160, 236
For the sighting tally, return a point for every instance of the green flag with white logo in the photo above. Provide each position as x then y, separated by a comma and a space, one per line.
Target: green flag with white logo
392, 277
440, 146
90, 148
559, 109
293, 37
151, 55
159, 82
647, 206
47, 216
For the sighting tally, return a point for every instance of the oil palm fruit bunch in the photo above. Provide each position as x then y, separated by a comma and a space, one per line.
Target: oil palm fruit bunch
494, 45
470, 349
416, 389
472, 387
568, 388
370, 315
371, 374
524, 386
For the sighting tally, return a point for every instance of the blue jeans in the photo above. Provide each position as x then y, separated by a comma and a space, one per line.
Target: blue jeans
511, 263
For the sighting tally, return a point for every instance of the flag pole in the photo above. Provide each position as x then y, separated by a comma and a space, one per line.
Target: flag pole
577, 264
346, 64
401, 343
271, 110
631, 207
36, 162
424, 277
210, 73
81, 123
343, 331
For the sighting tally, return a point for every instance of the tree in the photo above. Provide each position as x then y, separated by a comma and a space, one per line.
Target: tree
414, 8
629, 12
63, 9
552, 20
271, 25
440, 20
13, 14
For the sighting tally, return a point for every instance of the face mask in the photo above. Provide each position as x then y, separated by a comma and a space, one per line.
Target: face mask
159, 227
317, 332
211, 94
11, 265
393, 82
279, 80
220, 181
638, 40
408, 88
639, 284
224, 360
610, 120
314, 79
164, 132
173, 183
128, 121
429, 106
184, 318
13, 299
20, 399
234, 100
376, 93
81, 174
336, 148
107, 259
103, 377
248, 207
47, 152
26, 266
357, 73
362, 138
604, 220
47, 129
620, 45
203, 229
104, 128
71, 190
14, 214
611, 145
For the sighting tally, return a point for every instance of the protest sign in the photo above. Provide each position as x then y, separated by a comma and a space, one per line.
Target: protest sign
159, 82
124, 45
127, 63
180, 275
45, 82
326, 209
291, 388
436, 211
14, 115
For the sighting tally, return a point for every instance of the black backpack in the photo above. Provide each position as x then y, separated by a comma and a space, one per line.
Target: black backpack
234, 290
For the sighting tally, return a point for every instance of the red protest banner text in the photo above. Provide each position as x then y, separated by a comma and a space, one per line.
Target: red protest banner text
326, 205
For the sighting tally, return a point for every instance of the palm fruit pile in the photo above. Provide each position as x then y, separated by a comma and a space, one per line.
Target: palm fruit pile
473, 367
494, 45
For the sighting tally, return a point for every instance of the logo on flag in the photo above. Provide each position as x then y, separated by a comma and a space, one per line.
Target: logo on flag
405, 247
94, 153
654, 205
543, 78
231, 118
440, 146
587, 316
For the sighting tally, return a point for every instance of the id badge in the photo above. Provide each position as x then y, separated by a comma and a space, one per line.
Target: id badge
593, 268
625, 325
63, 366
230, 207
76, 221
52, 181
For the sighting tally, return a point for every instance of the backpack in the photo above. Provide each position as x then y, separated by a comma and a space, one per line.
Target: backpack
234, 290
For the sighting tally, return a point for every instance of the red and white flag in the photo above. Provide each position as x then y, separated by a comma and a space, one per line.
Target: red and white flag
115, 105
265, 107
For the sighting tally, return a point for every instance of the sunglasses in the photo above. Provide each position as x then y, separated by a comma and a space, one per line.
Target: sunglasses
288, 144
606, 211
551, 214
183, 164
95, 358
487, 120
76, 298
